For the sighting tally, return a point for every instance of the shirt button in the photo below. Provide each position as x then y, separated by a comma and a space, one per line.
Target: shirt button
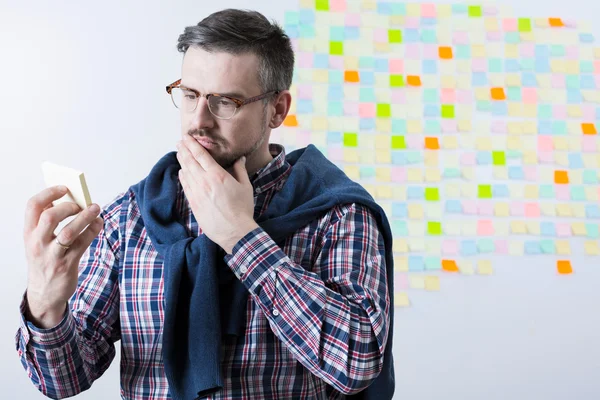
276, 312
243, 269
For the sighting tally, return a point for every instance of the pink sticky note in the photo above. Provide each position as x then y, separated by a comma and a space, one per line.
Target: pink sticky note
448, 96
414, 142
469, 207
412, 22
398, 96
563, 229
305, 60
559, 111
351, 108
545, 143
449, 126
352, 19
303, 139
546, 157
597, 74
398, 174
380, 35
464, 97
428, 10
396, 66
449, 247
589, 112
305, 91
460, 37
499, 127
490, 10
337, 5
558, 81
517, 209
295, 46
597, 70
367, 110
485, 227
562, 192
479, 65
529, 95
336, 62
335, 153
501, 246
510, 25
412, 51
494, 36
572, 52
588, 144
532, 210
527, 49
400, 280
569, 23
530, 172
467, 159
485, 208
430, 51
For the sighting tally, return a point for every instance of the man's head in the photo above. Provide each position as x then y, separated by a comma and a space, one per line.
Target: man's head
238, 54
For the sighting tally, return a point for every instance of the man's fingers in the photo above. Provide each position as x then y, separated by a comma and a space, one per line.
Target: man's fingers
52, 217
39, 203
70, 232
200, 154
86, 237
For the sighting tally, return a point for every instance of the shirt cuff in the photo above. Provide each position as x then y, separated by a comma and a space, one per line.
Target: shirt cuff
46, 339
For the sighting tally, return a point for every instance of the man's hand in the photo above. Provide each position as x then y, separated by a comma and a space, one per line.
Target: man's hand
222, 202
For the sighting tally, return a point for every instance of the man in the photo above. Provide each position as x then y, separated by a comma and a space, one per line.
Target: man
232, 270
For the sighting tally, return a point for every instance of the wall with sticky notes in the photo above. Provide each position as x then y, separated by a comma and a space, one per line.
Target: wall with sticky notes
476, 129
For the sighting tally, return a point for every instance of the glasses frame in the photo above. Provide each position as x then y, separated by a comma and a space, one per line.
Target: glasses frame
238, 102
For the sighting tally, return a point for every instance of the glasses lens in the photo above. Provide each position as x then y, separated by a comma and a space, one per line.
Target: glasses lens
222, 107
184, 99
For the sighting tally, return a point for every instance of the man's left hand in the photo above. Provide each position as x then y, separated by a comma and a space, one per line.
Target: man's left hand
222, 202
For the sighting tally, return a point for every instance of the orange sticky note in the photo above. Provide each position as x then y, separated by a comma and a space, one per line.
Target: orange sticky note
556, 22
449, 265
561, 177
290, 120
432, 143
498, 93
351, 76
564, 267
445, 52
588, 129
413, 80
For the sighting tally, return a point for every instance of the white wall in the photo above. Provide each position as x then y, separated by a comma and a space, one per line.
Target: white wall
70, 72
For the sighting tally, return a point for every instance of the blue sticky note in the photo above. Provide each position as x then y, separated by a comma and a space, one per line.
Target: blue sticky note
415, 263
334, 137
429, 66
433, 263
557, 50
532, 247
495, 65
335, 108
512, 37
399, 126
428, 21
547, 229
336, 76
431, 110
399, 157
545, 127
468, 248
385, 8
515, 172
451, 173
306, 16
586, 38
542, 66
336, 33
592, 211
367, 77
410, 36
578, 193
572, 81
433, 126
486, 246
587, 82
399, 210
574, 96
512, 65
453, 206
351, 33
307, 31
545, 112
382, 65
428, 36
415, 193
500, 190
414, 157
462, 51
484, 158
528, 80
367, 95
593, 230
431, 96
321, 60
367, 124
546, 191
366, 62
479, 79
575, 160
367, 172
399, 228
335, 92
527, 64
590, 177
559, 128
484, 105
292, 31
513, 93
499, 108
542, 51
547, 246
304, 106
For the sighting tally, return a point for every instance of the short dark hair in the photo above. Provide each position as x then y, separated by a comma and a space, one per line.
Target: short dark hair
242, 32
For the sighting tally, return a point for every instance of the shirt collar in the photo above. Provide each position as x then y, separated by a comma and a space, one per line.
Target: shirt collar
269, 175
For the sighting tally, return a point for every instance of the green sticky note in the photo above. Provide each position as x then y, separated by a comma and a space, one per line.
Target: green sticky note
432, 263
322, 5
547, 246
432, 194
434, 228
398, 142
384, 110
350, 139
336, 48
498, 158
447, 111
486, 246
475, 11
524, 25
395, 35
396, 80
485, 191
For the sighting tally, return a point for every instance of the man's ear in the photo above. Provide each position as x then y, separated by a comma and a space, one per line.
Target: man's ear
282, 106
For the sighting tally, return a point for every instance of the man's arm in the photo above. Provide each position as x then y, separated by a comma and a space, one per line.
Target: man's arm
64, 360
335, 318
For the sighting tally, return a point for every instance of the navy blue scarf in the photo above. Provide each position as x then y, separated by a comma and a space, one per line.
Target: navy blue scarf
198, 282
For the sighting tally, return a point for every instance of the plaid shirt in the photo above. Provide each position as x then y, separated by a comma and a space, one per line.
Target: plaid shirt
316, 321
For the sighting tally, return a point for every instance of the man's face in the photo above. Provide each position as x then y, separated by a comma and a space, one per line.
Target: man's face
247, 133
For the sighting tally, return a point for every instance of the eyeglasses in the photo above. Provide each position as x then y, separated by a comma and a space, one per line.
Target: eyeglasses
222, 107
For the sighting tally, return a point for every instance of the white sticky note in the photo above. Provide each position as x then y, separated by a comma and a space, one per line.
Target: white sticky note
73, 179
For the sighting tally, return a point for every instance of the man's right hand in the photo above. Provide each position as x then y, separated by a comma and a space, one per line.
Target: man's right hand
53, 270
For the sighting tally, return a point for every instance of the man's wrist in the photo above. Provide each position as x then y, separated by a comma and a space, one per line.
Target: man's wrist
240, 232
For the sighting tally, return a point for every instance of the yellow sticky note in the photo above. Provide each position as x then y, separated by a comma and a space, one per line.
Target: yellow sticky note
544, 80
401, 299
400, 246
591, 248
518, 227
400, 263
483, 143
511, 51
383, 192
466, 267
515, 110
484, 267
500, 173
353, 172
431, 158
368, 157
533, 227
574, 111
449, 142
530, 157
383, 174
448, 82
591, 193
548, 209
467, 173
383, 156
432, 283
414, 126
414, 175
319, 124
415, 211
572, 67
383, 125
468, 190
416, 281
579, 229
513, 80
501, 209
515, 248
491, 24
351, 155
464, 125
578, 210
432, 175
563, 210
562, 247
597, 52
351, 62
452, 190
530, 111
532, 192
514, 128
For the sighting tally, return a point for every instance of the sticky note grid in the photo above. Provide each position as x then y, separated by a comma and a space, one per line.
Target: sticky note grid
475, 130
